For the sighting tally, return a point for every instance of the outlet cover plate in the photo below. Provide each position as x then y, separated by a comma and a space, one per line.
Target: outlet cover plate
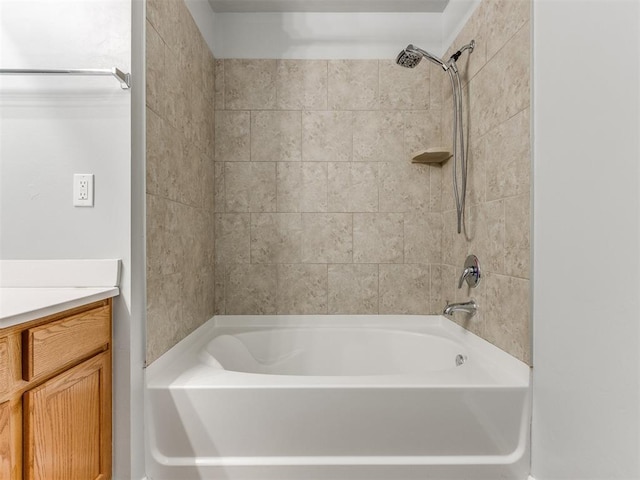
83, 190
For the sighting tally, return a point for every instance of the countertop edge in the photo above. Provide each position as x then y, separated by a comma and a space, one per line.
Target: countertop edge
90, 295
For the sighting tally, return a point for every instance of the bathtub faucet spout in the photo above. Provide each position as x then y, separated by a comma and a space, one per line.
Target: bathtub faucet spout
470, 307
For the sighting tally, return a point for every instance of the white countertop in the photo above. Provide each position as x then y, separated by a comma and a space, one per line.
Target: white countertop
19, 305
31, 289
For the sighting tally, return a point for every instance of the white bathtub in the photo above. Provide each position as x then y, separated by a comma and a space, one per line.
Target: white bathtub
336, 397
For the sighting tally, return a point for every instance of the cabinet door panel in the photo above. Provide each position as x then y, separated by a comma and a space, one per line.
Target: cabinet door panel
5, 440
67, 424
10, 440
5, 371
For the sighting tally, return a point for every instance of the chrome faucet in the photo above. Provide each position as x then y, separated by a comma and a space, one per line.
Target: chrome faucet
470, 307
471, 272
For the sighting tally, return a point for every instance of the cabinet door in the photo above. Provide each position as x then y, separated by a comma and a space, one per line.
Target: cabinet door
67, 424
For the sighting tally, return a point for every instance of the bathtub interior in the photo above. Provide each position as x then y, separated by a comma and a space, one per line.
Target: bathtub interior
331, 352
209, 418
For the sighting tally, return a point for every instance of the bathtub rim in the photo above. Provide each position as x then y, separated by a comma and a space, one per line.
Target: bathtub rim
172, 363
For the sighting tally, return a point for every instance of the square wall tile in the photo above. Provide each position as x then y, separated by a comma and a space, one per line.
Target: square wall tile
164, 156
507, 314
301, 84
302, 289
378, 238
478, 157
423, 238
289, 186
327, 238
405, 88
378, 136
232, 238
249, 84
219, 278
276, 238
503, 18
435, 189
164, 244
443, 287
508, 157
302, 187
423, 130
404, 289
164, 313
250, 187
405, 187
485, 229
208, 75
219, 85
251, 289
353, 289
517, 227
198, 286
503, 85
353, 85
218, 186
154, 69
456, 246
190, 176
232, 136
276, 136
175, 96
193, 234
327, 136
438, 81
313, 195
353, 187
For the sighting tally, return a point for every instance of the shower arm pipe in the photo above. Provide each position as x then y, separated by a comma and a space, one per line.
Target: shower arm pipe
123, 78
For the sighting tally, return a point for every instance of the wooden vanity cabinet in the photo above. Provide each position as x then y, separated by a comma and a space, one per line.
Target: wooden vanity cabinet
55, 409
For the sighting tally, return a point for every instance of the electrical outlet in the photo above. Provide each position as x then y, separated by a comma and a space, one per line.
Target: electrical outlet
83, 190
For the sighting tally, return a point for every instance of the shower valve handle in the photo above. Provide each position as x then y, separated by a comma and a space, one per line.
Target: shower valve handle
471, 272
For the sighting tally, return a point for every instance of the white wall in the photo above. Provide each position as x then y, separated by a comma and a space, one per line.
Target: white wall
54, 127
586, 415
51, 128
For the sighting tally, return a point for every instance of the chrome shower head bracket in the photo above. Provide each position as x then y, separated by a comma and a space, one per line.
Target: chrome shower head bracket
469, 46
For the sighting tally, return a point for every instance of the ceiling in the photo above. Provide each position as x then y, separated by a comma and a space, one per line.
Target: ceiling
434, 6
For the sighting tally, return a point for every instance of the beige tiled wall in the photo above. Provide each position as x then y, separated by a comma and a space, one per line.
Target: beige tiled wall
180, 176
497, 94
319, 209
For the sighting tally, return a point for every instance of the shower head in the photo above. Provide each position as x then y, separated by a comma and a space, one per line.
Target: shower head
411, 56
408, 59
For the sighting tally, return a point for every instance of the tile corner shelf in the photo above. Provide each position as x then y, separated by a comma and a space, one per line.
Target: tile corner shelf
432, 155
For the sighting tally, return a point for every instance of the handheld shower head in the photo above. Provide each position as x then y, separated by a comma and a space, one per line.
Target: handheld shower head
408, 59
411, 56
